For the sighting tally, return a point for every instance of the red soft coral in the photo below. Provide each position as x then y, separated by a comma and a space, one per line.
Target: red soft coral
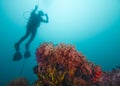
69, 66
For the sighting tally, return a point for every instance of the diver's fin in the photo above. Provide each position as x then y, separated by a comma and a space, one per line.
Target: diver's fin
27, 54
17, 56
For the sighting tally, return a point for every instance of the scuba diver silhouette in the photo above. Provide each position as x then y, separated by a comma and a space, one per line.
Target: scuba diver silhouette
34, 22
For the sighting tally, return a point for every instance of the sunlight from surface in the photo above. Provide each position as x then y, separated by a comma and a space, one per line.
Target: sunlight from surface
68, 19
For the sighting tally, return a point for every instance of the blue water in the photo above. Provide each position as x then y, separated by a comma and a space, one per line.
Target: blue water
92, 26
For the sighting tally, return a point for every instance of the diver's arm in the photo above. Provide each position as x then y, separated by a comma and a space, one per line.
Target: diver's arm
47, 19
34, 10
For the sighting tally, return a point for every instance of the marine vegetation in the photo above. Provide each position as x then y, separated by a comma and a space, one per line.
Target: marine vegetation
63, 65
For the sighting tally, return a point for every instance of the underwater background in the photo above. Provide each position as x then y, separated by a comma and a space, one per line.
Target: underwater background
92, 26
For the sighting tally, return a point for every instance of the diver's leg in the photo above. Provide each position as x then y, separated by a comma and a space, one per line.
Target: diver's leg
22, 39
31, 39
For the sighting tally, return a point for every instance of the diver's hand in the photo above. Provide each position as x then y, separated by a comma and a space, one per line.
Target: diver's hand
47, 19
36, 6
46, 14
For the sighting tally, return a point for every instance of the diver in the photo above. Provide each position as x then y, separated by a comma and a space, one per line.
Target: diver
34, 22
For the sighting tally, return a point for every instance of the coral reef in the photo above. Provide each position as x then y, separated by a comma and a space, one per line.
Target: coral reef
63, 65
111, 78
19, 82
